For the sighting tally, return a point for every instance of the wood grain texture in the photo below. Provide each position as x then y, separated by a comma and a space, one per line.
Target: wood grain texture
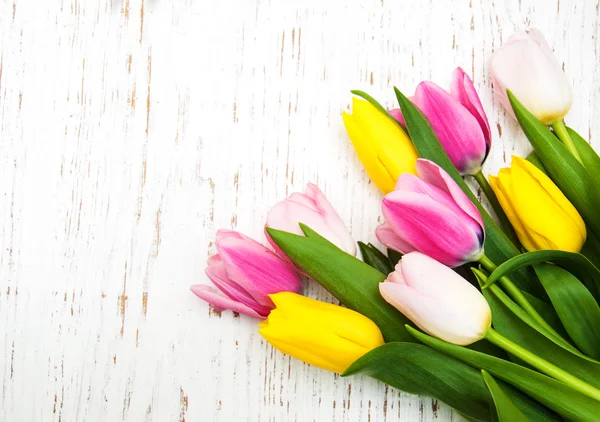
132, 130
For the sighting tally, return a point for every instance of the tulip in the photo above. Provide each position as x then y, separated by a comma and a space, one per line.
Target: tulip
540, 213
383, 148
321, 334
314, 210
432, 215
245, 273
525, 65
458, 120
437, 300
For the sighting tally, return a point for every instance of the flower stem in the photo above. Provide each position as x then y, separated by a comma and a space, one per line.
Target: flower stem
491, 196
515, 293
542, 365
563, 135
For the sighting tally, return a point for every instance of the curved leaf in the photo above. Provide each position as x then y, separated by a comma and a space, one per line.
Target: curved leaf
419, 369
513, 328
574, 305
565, 401
505, 408
576, 263
589, 157
497, 246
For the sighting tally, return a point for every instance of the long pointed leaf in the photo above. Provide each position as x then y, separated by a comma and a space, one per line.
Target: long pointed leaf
575, 306
589, 157
505, 408
565, 401
373, 257
419, 369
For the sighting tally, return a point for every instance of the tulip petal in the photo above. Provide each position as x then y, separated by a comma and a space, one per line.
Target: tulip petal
396, 113
433, 229
332, 219
539, 204
388, 237
314, 210
462, 89
458, 130
221, 302
217, 273
367, 155
435, 175
256, 269
528, 68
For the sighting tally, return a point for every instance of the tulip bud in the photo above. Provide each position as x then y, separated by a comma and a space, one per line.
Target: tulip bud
437, 300
458, 120
432, 215
246, 273
540, 213
312, 209
525, 65
383, 148
318, 333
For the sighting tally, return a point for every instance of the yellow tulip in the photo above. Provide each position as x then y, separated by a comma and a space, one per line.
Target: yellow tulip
318, 333
383, 148
541, 215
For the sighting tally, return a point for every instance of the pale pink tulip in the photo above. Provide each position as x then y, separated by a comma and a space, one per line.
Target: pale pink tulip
245, 273
437, 300
432, 215
312, 209
526, 65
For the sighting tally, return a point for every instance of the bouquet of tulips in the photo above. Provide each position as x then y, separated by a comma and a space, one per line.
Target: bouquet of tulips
497, 314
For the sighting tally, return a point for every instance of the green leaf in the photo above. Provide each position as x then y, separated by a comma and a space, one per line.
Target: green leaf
568, 173
497, 246
535, 160
419, 369
589, 157
509, 325
353, 282
505, 408
394, 257
547, 312
574, 305
517, 311
565, 401
576, 263
373, 257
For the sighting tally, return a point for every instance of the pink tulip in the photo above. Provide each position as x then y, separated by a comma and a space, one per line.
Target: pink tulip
437, 300
245, 273
457, 119
312, 209
432, 215
526, 65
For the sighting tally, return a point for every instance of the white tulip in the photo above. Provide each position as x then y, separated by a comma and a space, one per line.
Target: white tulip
526, 65
437, 300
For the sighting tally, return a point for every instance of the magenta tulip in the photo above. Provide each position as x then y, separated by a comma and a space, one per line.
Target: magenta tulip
245, 273
432, 215
312, 209
457, 119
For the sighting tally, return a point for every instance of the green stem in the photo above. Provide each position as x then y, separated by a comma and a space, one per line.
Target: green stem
542, 365
515, 293
491, 196
563, 135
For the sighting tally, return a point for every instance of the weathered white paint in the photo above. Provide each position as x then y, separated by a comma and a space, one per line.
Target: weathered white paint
131, 131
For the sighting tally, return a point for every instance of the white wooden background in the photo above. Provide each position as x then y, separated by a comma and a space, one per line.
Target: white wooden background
131, 131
